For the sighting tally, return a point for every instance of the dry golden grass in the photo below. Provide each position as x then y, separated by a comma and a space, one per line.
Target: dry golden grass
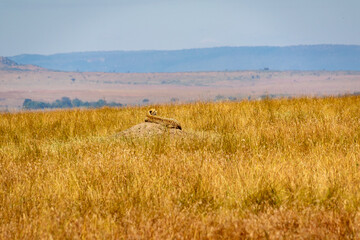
259, 169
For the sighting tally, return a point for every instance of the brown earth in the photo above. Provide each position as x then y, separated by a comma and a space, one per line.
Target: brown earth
148, 129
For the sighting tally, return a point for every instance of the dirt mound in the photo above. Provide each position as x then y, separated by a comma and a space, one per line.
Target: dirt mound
148, 129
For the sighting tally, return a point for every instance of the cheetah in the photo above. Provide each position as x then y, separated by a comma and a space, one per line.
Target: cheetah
167, 122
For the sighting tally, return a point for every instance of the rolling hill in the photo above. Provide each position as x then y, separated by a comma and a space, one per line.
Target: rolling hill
7, 64
303, 58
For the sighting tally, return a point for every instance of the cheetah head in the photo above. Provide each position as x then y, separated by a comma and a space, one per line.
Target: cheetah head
152, 112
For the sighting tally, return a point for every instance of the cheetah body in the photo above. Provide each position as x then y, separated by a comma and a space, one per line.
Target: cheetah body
167, 122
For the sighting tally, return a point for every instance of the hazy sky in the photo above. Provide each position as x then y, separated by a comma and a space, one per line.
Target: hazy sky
57, 26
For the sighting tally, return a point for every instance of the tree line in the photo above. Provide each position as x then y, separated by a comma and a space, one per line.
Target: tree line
66, 102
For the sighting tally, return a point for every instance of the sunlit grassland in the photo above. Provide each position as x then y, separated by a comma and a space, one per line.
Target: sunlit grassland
255, 169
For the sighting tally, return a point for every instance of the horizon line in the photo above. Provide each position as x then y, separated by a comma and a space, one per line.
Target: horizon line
184, 49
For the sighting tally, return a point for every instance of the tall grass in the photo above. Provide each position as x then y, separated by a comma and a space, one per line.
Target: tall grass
257, 169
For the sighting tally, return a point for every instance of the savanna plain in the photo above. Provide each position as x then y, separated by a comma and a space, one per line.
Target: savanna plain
277, 169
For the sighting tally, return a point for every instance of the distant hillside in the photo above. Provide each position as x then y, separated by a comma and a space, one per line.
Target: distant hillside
312, 57
9, 65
